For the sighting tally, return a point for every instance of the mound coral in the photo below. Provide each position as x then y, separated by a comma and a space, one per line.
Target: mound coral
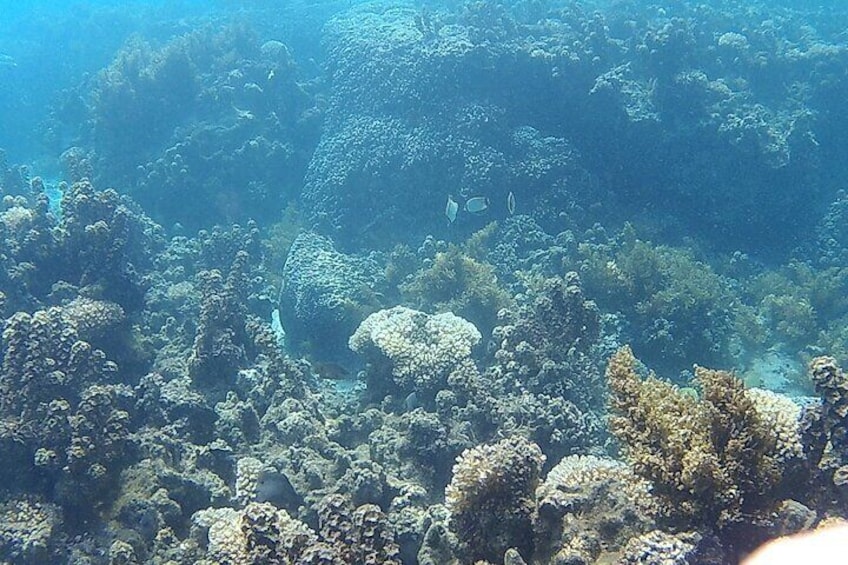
325, 294
587, 504
421, 350
491, 498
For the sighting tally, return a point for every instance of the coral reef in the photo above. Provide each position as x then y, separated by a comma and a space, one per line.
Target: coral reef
616, 74
325, 294
490, 499
262, 533
449, 217
60, 418
220, 109
422, 351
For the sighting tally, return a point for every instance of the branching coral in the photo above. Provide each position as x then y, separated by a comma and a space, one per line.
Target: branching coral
546, 344
711, 460
102, 243
218, 350
545, 372
30, 531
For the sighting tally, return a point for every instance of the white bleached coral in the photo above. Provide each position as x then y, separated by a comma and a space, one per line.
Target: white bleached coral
782, 416
421, 348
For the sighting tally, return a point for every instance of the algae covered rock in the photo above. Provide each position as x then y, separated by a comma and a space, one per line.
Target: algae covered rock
491, 498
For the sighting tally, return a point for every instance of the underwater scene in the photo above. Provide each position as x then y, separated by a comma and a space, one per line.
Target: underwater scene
435, 282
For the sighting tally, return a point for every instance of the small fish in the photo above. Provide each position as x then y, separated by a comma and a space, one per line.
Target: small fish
411, 401
275, 488
330, 370
451, 209
477, 204
510, 203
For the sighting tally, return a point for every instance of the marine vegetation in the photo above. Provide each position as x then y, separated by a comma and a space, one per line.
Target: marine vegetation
678, 307
454, 281
725, 459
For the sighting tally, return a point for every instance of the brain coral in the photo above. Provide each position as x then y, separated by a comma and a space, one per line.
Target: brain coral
422, 349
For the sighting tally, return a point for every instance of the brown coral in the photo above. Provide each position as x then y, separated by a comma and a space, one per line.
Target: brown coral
711, 460
832, 385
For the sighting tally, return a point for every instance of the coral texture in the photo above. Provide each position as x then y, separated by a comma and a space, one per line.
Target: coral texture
325, 294
588, 505
262, 533
490, 498
832, 384
711, 461
422, 350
